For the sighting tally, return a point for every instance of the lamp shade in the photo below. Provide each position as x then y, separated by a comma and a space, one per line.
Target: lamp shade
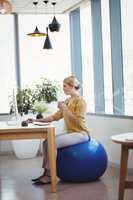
47, 43
36, 33
5, 7
54, 25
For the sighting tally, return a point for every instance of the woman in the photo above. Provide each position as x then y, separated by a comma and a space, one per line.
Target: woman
73, 110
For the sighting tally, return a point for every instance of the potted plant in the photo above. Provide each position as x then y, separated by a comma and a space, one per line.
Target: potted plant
25, 100
40, 108
47, 91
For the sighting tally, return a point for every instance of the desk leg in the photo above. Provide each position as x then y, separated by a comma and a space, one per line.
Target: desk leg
52, 159
123, 170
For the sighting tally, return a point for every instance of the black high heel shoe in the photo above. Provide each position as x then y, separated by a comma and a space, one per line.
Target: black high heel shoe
37, 179
44, 182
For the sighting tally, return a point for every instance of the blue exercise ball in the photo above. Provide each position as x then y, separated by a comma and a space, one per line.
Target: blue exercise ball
82, 162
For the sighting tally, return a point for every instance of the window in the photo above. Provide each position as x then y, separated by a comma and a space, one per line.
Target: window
7, 65
127, 35
87, 57
111, 83
107, 57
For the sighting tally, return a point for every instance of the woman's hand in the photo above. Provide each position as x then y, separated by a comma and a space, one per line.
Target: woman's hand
62, 105
30, 120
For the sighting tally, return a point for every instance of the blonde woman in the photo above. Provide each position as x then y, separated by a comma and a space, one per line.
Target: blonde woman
73, 111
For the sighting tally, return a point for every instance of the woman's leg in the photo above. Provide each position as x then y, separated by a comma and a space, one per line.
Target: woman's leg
62, 140
70, 139
45, 153
45, 158
45, 177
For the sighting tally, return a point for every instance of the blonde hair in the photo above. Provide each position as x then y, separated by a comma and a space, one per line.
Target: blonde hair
72, 81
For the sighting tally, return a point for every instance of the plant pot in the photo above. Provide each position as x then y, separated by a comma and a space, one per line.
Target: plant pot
25, 149
39, 116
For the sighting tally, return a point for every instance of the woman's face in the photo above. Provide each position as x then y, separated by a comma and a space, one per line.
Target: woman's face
68, 90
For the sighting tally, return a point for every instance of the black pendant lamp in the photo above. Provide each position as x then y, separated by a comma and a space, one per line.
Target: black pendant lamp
54, 25
47, 43
36, 32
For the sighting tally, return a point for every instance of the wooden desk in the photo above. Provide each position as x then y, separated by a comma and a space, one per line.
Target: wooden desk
34, 132
126, 145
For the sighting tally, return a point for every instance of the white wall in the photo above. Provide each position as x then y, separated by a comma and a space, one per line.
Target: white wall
102, 128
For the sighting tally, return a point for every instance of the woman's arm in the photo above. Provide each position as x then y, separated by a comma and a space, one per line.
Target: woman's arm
78, 111
70, 115
68, 112
46, 119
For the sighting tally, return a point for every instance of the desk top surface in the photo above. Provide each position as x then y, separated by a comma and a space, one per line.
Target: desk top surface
125, 138
12, 126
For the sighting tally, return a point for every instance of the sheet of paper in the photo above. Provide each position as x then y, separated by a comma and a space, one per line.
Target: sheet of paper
41, 123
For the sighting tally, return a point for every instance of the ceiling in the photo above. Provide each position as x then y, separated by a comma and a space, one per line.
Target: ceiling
27, 6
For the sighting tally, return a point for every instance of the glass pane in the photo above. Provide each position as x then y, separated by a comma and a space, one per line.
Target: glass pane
7, 64
87, 57
127, 40
107, 57
37, 62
